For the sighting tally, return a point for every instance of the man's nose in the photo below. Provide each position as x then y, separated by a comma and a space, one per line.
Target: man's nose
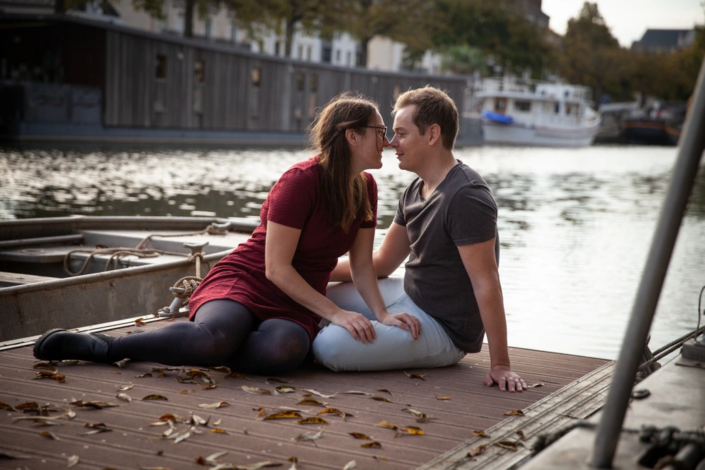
393, 142
386, 142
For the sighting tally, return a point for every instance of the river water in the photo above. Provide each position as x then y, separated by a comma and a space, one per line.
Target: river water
575, 225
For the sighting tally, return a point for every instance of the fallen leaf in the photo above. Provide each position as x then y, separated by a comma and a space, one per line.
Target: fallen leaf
358, 435
124, 397
274, 379
385, 391
155, 397
168, 417
256, 390
480, 433
217, 423
513, 413
322, 395
334, 411
520, 433
43, 374
538, 384
122, 363
36, 418
507, 445
388, 425
139, 322
71, 414
143, 375
380, 457
443, 398
28, 406
237, 375
260, 411
371, 444
382, 399
310, 402
293, 461
5, 406
71, 461
350, 465
158, 371
219, 431
285, 389
412, 430
124, 388
314, 420
50, 435
97, 428
221, 369
97, 405
186, 377
477, 451
214, 406
283, 415
212, 459
415, 376
46, 365
44, 422
309, 437
355, 392
184, 392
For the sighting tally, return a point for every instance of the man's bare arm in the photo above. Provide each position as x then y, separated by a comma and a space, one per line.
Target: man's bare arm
480, 264
388, 257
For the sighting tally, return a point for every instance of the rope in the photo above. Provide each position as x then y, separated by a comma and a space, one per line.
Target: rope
210, 230
188, 284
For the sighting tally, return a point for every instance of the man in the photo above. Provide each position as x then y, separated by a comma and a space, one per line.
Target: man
447, 221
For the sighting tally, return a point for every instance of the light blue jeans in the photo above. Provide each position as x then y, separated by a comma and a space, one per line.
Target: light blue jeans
394, 348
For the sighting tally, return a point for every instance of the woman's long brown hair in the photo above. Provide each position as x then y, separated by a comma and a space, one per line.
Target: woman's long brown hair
345, 193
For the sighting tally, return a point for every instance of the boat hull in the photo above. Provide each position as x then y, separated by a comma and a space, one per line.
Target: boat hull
520, 135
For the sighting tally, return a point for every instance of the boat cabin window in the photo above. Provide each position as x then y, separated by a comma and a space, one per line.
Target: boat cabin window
500, 105
556, 108
522, 106
572, 109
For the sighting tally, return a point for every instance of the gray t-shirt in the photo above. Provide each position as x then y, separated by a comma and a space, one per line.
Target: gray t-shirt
461, 211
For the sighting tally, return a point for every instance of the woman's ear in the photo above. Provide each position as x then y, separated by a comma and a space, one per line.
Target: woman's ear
352, 137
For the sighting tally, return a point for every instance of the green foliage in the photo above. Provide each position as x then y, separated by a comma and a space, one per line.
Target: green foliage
465, 60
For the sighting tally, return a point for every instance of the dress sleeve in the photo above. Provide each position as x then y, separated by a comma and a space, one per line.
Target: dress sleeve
472, 216
292, 199
372, 194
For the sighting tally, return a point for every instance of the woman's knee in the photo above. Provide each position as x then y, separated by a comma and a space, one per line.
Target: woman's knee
330, 348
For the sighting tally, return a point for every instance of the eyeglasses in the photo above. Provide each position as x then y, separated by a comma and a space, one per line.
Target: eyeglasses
381, 130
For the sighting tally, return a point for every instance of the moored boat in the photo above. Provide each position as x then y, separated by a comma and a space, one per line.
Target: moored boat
74, 271
537, 114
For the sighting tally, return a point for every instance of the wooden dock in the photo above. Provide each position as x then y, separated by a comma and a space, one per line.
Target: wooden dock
454, 400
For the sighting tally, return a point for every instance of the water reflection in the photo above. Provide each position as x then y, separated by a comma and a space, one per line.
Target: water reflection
575, 225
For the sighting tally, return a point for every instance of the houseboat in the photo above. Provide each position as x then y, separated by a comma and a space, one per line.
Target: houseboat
537, 114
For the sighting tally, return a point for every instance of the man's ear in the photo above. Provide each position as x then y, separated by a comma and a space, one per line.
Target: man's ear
434, 134
352, 137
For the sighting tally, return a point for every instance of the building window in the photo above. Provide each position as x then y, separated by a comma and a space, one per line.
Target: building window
256, 76
337, 56
277, 48
326, 52
160, 84
500, 105
308, 53
199, 78
348, 58
300, 78
524, 106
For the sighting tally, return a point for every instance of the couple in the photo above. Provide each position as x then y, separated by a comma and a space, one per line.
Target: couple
259, 309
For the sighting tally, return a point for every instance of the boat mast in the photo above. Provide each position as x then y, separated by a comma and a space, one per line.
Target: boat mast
686, 168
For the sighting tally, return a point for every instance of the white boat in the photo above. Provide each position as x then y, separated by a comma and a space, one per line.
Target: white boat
537, 114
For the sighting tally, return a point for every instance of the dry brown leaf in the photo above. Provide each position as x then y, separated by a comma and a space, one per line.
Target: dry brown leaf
43, 374
49, 435
147, 374
221, 369
97, 405
443, 398
168, 417
356, 392
124, 397
197, 420
413, 430
28, 406
186, 376
97, 428
283, 415
384, 390
350, 465
293, 461
310, 402
358, 435
139, 322
219, 431
124, 388
260, 411
520, 433
480, 433
374, 444
385, 424
507, 445
272, 380
382, 399
334, 411
184, 392
237, 375
322, 395
71, 461
513, 413
159, 371
285, 389
314, 420
46, 365
415, 376
380, 457
256, 390
122, 363
310, 437
214, 406
477, 451
5, 406
155, 397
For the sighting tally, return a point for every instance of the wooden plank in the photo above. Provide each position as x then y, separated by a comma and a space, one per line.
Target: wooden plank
21, 279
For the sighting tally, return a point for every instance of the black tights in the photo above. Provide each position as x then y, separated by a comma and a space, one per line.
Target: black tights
224, 333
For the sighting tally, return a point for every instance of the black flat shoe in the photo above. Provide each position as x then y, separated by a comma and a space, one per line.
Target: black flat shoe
59, 344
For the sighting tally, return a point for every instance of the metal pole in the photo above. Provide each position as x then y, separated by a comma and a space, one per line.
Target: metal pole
691, 149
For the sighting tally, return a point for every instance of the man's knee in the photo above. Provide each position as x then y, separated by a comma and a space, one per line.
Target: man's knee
331, 348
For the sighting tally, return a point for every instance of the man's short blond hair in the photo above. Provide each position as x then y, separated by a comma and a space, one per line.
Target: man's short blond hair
433, 106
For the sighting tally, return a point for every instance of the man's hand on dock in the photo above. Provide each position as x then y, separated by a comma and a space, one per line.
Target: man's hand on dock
505, 379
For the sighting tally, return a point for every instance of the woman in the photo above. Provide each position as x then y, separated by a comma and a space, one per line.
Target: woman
258, 310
